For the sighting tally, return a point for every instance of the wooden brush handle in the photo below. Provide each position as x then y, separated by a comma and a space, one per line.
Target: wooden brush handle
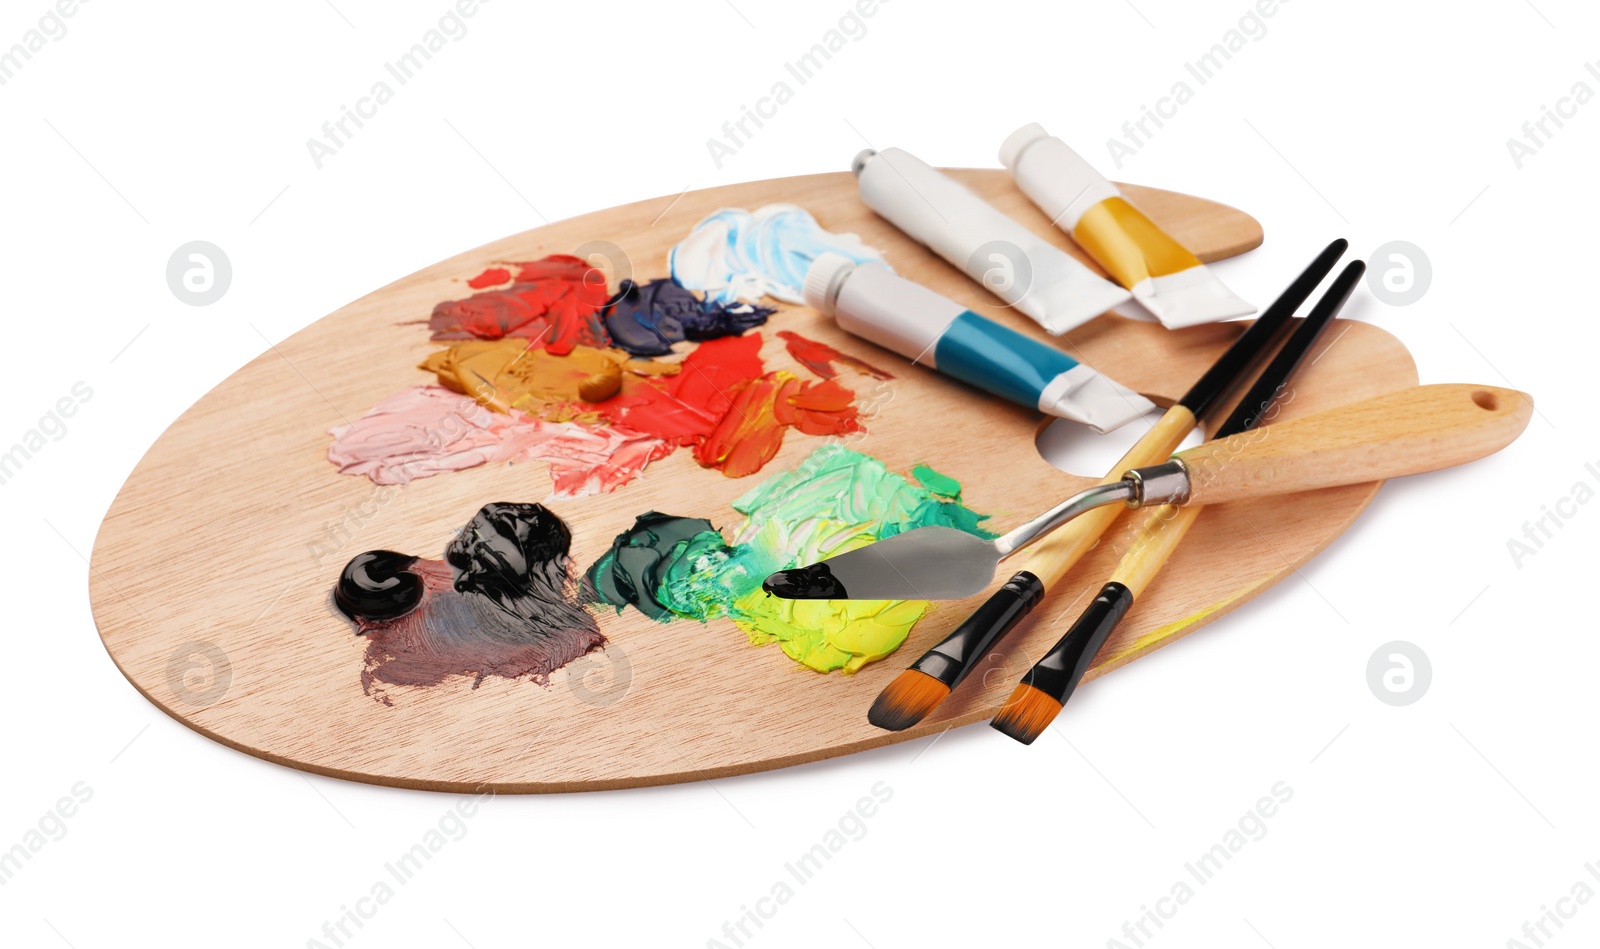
1059, 552
1423, 428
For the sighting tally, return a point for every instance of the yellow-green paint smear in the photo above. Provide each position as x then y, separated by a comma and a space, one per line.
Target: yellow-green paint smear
836, 500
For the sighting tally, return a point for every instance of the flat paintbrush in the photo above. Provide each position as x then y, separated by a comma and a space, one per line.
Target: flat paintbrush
926, 683
1039, 697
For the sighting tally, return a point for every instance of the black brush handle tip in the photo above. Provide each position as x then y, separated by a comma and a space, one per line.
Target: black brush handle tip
957, 655
1253, 408
1254, 340
1060, 671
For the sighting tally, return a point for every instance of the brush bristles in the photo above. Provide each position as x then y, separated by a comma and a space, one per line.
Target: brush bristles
907, 700
1026, 714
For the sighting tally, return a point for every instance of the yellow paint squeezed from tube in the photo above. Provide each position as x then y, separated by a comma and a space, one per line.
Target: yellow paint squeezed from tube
1163, 275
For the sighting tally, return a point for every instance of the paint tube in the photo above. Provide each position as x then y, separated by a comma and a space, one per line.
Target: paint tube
1015, 264
881, 307
1162, 274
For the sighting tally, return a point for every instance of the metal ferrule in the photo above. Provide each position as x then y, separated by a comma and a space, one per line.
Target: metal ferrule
1156, 484
1166, 483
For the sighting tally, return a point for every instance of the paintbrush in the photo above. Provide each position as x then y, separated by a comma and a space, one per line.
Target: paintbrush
1423, 428
1039, 697
921, 687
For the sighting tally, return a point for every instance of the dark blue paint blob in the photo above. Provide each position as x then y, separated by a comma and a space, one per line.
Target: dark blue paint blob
646, 319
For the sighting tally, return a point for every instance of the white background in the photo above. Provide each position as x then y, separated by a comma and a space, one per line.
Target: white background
1448, 822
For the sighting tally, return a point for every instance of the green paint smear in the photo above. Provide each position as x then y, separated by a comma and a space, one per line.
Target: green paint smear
836, 500
940, 484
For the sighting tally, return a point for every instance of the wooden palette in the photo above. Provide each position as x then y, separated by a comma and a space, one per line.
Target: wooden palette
211, 601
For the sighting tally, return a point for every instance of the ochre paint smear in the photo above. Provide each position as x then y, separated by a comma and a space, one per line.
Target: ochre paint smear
837, 500
506, 374
501, 603
820, 357
555, 303
492, 277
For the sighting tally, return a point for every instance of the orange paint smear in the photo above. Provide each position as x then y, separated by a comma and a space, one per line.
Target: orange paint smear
732, 414
752, 431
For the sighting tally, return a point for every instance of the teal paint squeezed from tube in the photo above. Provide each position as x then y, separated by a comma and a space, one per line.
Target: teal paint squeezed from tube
899, 315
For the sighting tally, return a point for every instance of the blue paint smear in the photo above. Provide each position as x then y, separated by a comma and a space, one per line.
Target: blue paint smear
646, 319
736, 254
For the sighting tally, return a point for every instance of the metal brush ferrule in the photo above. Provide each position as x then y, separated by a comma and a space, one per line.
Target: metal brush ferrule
1166, 483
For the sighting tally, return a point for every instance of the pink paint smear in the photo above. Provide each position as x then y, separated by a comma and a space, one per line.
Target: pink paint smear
428, 430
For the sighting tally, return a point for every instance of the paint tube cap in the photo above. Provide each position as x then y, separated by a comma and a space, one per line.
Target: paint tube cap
1017, 142
823, 279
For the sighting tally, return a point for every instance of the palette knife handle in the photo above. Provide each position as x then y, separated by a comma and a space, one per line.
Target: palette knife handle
1423, 428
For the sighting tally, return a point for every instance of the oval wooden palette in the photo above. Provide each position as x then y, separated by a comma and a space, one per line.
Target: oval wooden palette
210, 597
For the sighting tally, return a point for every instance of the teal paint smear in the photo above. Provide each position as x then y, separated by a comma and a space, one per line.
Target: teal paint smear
645, 559
996, 359
835, 501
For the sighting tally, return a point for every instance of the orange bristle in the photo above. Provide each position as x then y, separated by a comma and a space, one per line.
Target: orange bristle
907, 700
1026, 714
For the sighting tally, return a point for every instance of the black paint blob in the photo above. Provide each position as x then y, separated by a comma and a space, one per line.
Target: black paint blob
815, 582
504, 547
501, 603
378, 584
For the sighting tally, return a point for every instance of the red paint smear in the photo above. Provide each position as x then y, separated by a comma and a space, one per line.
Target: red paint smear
555, 302
820, 357
561, 267
493, 277
715, 369
688, 406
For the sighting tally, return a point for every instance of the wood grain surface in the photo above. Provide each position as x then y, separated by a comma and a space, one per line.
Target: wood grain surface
210, 598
